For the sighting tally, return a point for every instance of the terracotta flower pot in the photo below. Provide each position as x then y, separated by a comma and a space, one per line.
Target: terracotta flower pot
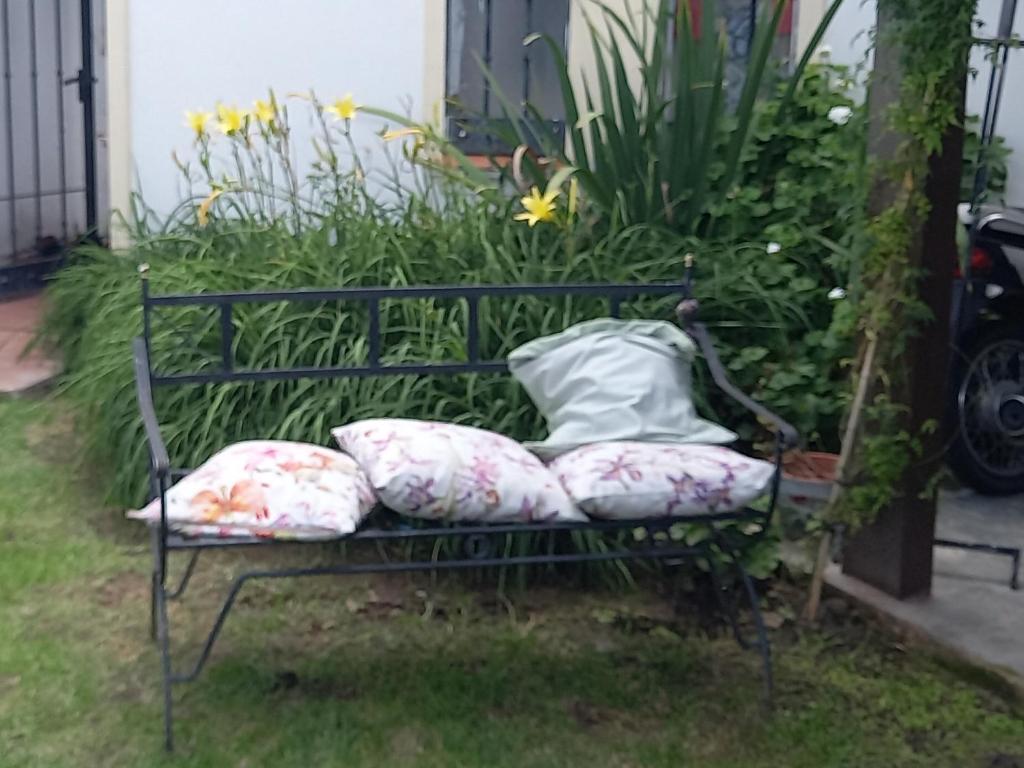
807, 480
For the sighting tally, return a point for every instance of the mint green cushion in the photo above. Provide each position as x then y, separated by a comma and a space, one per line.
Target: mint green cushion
612, 380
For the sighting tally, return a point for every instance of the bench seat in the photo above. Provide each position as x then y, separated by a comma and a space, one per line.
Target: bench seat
475, 545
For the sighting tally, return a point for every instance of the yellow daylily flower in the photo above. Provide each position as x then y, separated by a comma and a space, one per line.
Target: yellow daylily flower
538, 207
401, 134
264, 111
203, 211
198, 121
343, 109
230, 119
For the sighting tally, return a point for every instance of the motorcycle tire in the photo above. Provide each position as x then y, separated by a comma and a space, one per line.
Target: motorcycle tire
987, 408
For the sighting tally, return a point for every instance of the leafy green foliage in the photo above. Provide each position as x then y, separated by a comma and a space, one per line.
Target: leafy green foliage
804, 169
932, 39
747, 296
995, 156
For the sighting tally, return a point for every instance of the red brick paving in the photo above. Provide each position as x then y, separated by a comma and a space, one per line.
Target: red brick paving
21, 371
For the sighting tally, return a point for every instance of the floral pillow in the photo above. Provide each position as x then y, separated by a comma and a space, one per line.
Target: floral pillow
269, 488
444, 471
629, 480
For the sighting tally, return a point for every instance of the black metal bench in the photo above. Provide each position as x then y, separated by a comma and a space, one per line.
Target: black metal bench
476, 540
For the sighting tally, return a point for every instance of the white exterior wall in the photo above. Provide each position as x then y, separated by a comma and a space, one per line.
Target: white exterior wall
165, 57
849, 40
190, 54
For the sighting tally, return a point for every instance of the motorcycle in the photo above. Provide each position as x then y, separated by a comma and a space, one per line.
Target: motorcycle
987, 376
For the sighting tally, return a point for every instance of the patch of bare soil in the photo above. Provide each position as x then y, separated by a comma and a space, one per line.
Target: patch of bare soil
126, 587
54, 440
407, 744
588, 715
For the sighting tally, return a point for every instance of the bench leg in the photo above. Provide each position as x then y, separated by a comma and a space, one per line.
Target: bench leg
726, 602
153, 586
154, 580
169, 595
763, 645
160, 631
185, 578
163, 640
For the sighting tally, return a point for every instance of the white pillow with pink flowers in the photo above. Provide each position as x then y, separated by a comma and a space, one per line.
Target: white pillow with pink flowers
441, 471
631, 480
268, 488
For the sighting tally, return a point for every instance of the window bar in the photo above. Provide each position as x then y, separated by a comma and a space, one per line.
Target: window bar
488, 18
86, 93
526, 54
36, 157
615, 306
227, 336
473, 328
373, 353
46, 193
12, 212
62, 155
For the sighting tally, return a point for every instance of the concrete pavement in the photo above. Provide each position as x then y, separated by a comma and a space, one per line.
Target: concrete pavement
972, 612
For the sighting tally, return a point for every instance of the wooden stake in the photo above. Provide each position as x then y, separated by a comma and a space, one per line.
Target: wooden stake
852, 424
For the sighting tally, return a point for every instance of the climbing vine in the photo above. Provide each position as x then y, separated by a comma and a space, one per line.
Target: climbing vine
933, 38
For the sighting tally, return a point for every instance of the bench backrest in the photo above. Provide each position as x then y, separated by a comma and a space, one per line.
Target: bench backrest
369, 301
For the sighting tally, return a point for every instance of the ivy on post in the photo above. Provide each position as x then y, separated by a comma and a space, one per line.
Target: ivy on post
916, 107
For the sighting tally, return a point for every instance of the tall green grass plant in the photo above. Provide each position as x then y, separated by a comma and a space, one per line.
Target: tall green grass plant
96, 314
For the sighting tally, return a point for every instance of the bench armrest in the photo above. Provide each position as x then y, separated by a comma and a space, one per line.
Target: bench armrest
788, 436
159, 459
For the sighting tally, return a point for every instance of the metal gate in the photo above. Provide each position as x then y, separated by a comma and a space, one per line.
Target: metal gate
48, 188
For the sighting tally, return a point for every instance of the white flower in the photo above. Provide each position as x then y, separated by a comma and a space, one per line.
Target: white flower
825, 52
840, 115
773, 248
836, 294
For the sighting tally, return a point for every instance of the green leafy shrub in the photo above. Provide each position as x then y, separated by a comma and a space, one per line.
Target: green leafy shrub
996, 155
96, 301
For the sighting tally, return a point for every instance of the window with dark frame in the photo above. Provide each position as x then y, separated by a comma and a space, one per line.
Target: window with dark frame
491, 32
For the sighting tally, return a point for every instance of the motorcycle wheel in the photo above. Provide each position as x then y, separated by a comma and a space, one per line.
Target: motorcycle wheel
987, 452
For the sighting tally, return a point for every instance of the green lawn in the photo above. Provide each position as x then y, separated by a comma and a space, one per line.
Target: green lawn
402, 672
